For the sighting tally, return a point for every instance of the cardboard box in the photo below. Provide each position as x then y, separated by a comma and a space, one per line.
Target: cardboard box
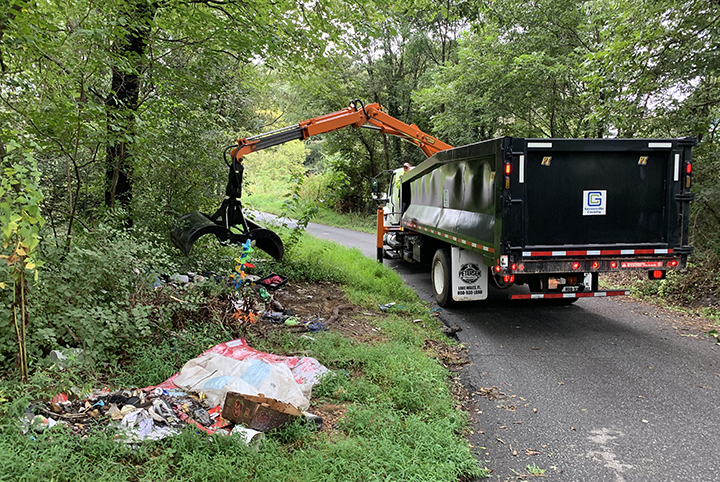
258, 412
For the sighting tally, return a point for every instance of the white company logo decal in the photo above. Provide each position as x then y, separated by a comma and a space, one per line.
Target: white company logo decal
470, 273
594, 203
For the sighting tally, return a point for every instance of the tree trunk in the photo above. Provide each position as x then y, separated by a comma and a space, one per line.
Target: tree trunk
122, 104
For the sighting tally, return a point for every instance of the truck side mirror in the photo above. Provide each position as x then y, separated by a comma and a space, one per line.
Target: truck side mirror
377, 195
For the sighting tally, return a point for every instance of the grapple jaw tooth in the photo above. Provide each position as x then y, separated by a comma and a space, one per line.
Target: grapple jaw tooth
191, 226
264, 239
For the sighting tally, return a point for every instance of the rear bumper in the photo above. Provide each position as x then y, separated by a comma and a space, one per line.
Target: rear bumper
592, 294
600, 264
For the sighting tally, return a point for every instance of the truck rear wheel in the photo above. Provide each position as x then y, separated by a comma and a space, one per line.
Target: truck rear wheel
441, 279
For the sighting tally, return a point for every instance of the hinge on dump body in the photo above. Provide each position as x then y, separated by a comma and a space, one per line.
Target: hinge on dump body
684, 250
685, 197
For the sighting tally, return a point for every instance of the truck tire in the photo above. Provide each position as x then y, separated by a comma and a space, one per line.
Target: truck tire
441, 277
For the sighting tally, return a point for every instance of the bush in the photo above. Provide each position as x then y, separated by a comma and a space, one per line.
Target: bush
86, 296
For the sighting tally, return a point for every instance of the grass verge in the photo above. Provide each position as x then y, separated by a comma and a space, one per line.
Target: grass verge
398, 422
275, 205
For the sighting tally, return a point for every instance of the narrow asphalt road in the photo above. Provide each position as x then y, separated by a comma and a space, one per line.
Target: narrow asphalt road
603, 390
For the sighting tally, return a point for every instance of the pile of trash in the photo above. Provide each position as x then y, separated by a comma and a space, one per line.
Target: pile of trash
253, 299
230, 388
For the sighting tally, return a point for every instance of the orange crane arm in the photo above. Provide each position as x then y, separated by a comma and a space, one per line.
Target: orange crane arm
355, 115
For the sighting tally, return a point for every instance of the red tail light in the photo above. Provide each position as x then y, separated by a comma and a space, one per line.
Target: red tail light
595, 265
672, 263
657, 274
506, 278
513, 267
507, 168
613, 264
498, 269
688, 168
576, 265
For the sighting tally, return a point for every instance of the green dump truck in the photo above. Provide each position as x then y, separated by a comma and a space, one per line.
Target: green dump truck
550, 214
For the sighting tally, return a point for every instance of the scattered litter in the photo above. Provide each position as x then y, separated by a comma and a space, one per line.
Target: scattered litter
37, 423
249, 436
242, 262
264, 295
258, 412
315, 326
215, 375
273, 383
61, 358
391, 306
274, 316
273, 281
180, 278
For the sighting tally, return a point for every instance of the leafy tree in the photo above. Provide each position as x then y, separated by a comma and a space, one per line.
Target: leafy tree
521, 71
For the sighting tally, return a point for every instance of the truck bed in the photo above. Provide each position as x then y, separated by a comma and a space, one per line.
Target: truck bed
558, 195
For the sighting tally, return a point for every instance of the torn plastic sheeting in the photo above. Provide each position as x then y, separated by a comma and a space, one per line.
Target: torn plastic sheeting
214, 375
306, 371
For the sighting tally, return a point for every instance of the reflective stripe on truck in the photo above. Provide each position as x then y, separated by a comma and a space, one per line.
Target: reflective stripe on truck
571, 295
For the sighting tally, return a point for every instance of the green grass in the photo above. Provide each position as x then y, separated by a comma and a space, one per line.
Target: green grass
267, 202
358, 222
535, 471
400, 422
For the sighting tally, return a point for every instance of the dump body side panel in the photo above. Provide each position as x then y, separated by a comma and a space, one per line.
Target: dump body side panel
453, 196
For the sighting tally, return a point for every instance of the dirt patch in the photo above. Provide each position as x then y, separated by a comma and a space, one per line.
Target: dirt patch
330, 305
330, 414
452, 357
245, 314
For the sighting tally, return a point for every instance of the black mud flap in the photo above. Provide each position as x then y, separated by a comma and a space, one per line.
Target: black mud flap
191, 226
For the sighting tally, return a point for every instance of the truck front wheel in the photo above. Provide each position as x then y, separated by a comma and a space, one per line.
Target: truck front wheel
441, 280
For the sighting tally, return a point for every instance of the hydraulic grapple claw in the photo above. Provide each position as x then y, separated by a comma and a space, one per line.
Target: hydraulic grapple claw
228, 224
191, 226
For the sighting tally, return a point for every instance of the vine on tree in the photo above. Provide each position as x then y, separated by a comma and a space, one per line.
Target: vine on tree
20, 222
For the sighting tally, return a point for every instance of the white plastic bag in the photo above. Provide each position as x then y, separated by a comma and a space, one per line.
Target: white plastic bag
214, 375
